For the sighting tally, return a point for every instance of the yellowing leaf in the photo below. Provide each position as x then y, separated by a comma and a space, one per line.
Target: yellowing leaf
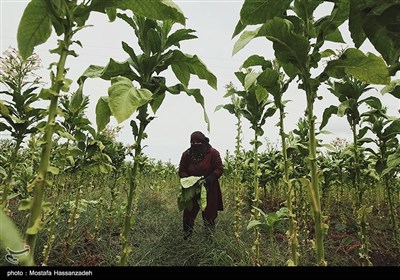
203, 198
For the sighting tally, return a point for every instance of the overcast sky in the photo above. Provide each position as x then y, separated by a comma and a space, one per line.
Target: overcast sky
168, 135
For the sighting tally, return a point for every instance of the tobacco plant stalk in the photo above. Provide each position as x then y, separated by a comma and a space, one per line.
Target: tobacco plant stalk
40, 180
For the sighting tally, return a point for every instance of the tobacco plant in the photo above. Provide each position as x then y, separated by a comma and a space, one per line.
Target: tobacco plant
136, 87
386, 129
257, 108
237, 104
297, 42
67, 18
19, 78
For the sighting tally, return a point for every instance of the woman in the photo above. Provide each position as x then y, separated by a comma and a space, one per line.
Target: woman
202, 160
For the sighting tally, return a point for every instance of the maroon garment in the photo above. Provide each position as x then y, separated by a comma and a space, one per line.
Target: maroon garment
211, 163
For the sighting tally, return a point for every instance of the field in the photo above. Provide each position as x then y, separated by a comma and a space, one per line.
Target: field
71, 197
156, 235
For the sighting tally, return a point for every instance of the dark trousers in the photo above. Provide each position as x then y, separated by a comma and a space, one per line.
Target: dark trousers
209, 215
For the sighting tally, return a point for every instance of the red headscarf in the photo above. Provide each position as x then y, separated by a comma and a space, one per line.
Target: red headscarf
197, 151
199, 136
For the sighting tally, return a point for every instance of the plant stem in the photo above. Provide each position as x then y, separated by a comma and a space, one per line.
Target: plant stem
392, 211
315, 197
13, 162
125, 249
237, 184
39, 181
357, 166
256, 246
292, 221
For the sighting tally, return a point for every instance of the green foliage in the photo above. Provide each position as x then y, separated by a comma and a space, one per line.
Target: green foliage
377, 21
190, 181
124, 99
40, 16
183, 65
255, 106
190, 187
159, 231
349, 92
35, 27
103, 113
244, 39
10, 239
155, 41
19, 78
203, 199
83, 149
393, 88
393, 163
154, 9
270, 221
368, 68
289, 47
113, 148
386, 129
256, 12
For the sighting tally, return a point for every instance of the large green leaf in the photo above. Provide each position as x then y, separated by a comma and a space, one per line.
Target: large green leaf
335, 36
250, 79
269, 79
393, 162
289, 47
355, 23
11, 241
255, 60
180, 35
328, 25
327, 114
261, 94
367, 68
154, 9
76, 100
393, 88
184, 64
112, 69
386, 41
178, 88
305, 9
103, 113
203, 199
4, 111
134, 59
229, 107
157, 101
253, 223
239, 28
392, 130
372, 101
379, 21
244, 39
260, 11
125, 99
34, 28
187, 182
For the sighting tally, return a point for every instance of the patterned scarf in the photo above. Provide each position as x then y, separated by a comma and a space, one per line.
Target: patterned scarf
197, 152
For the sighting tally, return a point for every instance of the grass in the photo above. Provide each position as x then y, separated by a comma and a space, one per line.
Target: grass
156, 235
